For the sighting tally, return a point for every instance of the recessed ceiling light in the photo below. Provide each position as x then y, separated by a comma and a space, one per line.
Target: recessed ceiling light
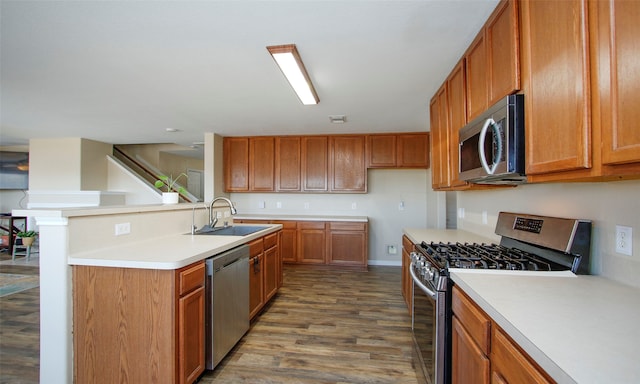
172, 130
338, 119
290, 63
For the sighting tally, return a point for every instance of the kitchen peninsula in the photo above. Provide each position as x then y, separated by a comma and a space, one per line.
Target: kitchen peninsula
157, 239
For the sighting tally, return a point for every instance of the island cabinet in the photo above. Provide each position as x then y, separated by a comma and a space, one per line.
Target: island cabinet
138, 325
407, 282
265, 272
483, 353
405, 150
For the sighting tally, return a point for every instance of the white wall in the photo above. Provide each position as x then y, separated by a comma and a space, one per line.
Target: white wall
387, 188
606, 204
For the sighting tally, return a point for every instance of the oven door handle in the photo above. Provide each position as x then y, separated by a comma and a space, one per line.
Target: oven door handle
416, 280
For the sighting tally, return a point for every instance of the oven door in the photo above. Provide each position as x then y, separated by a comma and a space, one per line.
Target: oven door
429, 325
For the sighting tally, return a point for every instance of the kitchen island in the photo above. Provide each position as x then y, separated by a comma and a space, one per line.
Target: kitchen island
577, 328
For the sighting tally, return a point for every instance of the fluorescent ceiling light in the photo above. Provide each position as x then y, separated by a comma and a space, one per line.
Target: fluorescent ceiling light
290, 63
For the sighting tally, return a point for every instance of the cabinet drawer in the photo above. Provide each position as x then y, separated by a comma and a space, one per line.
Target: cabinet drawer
190, 277
287, 224
270, 240
311, 225
347, 226
476, 322
256, 247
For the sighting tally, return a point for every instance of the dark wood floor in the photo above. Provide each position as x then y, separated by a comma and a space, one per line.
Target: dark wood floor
325, 326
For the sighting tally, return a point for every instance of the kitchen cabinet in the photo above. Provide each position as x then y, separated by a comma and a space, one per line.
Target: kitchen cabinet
265, 270
315, 163
348, 244
288, 240
483, 353
407, 282
262, 164
288, 164
236, 164
151, 321
457, 118
312, 242
347, 172
406, 150
492, 60
555, 79
440, 153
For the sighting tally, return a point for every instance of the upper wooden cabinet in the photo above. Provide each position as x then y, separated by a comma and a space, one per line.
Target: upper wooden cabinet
405, 150
492, 60
440, 140
457, 117
288, 163
261, 164
348, 172
315, 163
236, 164
556, 85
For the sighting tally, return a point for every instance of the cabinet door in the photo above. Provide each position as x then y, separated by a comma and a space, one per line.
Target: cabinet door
618, 79
191, 348
556, 85
381, 151
457, 119
413, 150
256, 285
439, 140
261, 164
407, 283
288, 237
469, 365
288, 164
348, 172
348, 244
476, 73
311, 242
315, 152
271, 271
236, 164
503, 50
510, 365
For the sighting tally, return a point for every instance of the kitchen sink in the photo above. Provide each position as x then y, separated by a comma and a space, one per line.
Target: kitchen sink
232, 230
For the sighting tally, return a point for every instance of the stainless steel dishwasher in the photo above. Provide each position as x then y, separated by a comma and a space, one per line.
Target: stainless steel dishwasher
227, 305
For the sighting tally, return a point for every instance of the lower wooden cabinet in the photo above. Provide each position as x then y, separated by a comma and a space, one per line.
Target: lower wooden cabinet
483, 353
138, 325
407, 282
265, 271
343, 243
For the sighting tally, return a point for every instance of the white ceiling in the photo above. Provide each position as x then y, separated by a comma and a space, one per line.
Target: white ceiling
124, 71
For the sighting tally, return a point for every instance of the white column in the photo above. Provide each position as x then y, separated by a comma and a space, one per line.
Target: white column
56, 302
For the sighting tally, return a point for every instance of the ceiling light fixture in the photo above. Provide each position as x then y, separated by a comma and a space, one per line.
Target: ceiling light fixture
290, 63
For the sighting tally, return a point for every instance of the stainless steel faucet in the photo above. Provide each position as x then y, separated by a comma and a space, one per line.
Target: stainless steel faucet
214, 220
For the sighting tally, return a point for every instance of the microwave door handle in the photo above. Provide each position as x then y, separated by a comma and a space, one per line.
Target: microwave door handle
483, 135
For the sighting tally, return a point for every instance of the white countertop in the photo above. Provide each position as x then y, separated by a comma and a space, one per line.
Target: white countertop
256, 216
579, 329
171, 252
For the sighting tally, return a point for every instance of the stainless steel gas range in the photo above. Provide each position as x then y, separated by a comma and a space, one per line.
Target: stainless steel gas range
528, 243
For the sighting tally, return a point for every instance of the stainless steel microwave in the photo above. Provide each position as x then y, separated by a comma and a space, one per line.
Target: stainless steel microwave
491, 146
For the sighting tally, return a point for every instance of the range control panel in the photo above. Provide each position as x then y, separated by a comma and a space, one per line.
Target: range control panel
528, 225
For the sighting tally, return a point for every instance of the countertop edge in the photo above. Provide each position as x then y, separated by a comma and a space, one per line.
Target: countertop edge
251, 216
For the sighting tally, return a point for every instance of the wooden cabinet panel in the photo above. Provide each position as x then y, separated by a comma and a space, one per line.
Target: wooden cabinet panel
190, 278
407, 283
381, 151
439, 140
348, 244
271, 270
288, 241
475, 321
311, 243
503, 51
457, 119
288, 164
315, 163
476, 74
413, 150
511, 365
556, 85
256, 285
470, 365
236, 164
191, 338
262, 164
617, 62
348, 172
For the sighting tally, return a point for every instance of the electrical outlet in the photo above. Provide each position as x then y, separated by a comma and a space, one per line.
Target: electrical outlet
392, 249
306, 205
485, 218
278, 204
123, 229
262, 204
354, 206
401, 205
460, 213
624, 240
